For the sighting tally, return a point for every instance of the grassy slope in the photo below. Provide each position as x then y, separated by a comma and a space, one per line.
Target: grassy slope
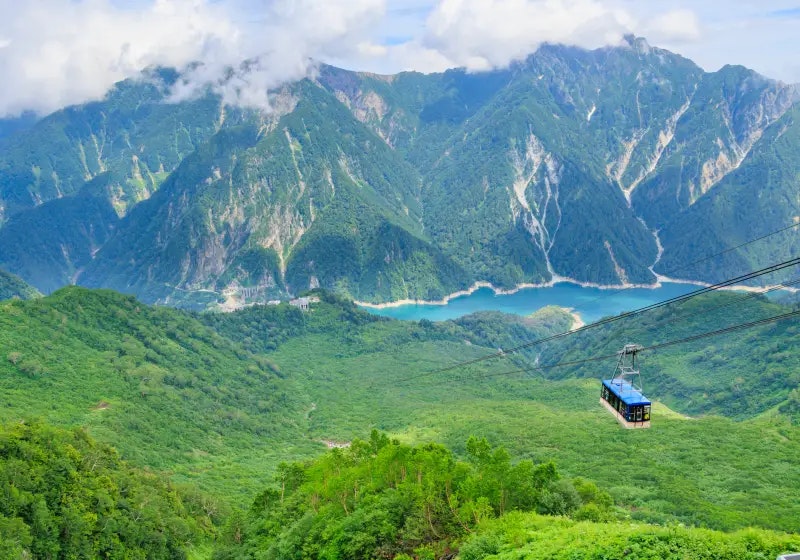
168, 392
738, 375
712, 471
173, 395
187, 400
530, 536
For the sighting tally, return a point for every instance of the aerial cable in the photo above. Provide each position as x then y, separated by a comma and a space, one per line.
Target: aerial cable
729, 249
667, 273
693, 338
613, 292
723, 305
626, 315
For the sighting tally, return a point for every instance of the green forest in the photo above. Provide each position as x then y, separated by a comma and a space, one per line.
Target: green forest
224, 421
12, 286
66, 496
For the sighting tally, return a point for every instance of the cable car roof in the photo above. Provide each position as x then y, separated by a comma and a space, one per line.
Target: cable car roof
625, 391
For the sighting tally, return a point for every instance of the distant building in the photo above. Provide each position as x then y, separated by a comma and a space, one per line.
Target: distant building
274, 302
301, 302
232, 289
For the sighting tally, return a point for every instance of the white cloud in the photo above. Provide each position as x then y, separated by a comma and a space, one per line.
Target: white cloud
484, 34
675, 26
62, 52
760, 35
280, 47
59, 52
481, 34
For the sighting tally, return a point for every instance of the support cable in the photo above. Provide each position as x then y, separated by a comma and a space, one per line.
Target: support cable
693, 338
607, 320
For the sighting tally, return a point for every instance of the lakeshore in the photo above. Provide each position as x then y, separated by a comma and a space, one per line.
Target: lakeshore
525, 286
586, 302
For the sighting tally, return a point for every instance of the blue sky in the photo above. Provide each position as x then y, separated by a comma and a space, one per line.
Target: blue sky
763, 35
59, 52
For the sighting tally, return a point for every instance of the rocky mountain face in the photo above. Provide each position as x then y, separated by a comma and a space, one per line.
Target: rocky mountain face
608, 167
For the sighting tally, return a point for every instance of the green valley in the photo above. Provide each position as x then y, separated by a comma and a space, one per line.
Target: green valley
219, 403
167, 392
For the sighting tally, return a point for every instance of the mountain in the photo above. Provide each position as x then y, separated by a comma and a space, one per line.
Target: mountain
312, 199
607, 166
12, 286
590, 154
9, 126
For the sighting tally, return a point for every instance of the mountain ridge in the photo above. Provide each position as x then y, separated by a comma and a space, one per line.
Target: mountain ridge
593, 166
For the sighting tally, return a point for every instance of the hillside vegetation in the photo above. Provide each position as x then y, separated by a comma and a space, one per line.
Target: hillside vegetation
62, 495
12, 286
739, 375
714, 471
218, 401
380, 498
166, 391
534, 537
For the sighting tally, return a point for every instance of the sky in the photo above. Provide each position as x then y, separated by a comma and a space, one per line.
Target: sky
55, 53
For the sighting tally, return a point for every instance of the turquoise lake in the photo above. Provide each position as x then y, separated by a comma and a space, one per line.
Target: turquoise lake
591, 303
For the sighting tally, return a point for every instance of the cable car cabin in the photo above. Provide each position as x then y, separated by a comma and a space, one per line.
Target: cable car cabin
628, 405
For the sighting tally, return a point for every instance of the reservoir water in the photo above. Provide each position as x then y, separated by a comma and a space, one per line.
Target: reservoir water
591, 303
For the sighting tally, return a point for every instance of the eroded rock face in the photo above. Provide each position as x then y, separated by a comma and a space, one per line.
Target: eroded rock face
572, 163
535, 188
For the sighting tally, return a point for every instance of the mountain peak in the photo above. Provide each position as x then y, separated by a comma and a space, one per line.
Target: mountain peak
639, 44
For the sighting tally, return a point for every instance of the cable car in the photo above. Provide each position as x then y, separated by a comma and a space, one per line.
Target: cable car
622, 394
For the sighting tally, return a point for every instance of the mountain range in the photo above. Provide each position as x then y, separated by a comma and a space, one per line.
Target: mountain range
614, 166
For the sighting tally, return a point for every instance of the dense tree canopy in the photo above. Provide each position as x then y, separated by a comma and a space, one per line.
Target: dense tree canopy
64, 496
382, 498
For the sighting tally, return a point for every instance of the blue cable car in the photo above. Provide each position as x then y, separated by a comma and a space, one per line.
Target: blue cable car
622, 397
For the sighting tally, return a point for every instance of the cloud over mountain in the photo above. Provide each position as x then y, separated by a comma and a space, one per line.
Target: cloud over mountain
58, 52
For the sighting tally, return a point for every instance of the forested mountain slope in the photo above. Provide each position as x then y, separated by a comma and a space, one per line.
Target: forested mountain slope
66, 496
219, 400
166, 391
315, 199
600, 166
588, 153
739, 375
12, 286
